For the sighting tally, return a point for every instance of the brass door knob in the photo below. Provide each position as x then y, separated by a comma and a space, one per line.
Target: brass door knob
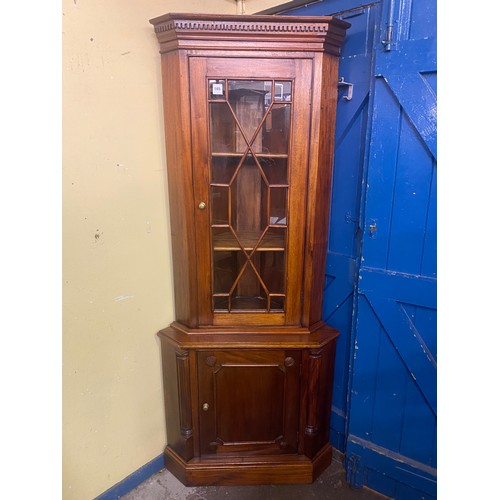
202, 205
205, 406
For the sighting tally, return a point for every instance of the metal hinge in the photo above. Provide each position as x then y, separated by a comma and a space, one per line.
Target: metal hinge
387, 42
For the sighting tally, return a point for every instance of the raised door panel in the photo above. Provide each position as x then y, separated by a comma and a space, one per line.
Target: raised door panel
249, 401
250, 129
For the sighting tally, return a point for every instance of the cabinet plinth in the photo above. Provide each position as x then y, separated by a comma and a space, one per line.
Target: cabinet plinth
249, 107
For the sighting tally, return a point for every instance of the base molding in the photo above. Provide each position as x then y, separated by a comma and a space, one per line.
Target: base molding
281, 469
133, 480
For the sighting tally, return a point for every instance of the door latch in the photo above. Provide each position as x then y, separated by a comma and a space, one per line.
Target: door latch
350, 86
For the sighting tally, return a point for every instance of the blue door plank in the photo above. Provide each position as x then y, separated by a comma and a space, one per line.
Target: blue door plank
411, 201
419, 104
365, 365
344, 219
356, 69
359, 43
337, 312
381, 176
340, 317
429, 255
430, 79
418, 435
399, 468
423, 20
348, 110
406, 288
389, 396
350, 136
405, 492
425, 322
380, 482
418, 439
343, 269
328, 7
355, 118
410, 346
338, 421
342, 321
412, 57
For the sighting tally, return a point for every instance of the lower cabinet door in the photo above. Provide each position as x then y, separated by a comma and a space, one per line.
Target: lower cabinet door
249, 401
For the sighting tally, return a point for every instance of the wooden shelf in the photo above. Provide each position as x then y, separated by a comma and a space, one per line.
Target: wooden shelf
258, 155
271, 242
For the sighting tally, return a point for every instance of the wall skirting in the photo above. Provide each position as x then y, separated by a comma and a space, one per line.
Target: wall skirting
134, 479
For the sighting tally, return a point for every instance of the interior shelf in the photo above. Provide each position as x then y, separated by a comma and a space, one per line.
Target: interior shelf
272, 242
258, 155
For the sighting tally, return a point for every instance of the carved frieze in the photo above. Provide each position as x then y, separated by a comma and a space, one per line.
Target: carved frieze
320, 34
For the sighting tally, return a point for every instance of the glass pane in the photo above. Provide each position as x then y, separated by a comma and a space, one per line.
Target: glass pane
225, 135
249, 195
248, 101
220, 205
221, 304
248, 303
272, 270
223, 239
249, 199
276, 130
277, 303
282, 91
223, 168
274, 239
248, 293
276, 170
217, 89
225, 271
278, 206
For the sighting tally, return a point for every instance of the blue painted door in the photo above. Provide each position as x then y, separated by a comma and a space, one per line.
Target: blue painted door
381, 267
391, 441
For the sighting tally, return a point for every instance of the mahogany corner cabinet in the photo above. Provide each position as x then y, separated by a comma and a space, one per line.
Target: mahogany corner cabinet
249, 108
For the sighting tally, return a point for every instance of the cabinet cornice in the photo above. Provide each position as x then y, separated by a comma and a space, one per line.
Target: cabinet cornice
250, 32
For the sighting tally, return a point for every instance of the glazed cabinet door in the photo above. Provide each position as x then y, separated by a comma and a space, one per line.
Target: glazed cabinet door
249, 401
250, 133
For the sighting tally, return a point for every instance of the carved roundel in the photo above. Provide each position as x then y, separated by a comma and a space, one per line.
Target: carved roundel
210, 360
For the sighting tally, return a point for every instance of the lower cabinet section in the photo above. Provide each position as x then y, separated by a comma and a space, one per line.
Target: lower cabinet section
256, 412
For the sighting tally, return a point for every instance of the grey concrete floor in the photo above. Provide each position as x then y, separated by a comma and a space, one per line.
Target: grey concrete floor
331, 484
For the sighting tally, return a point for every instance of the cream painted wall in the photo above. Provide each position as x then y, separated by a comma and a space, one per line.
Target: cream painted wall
117, 281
